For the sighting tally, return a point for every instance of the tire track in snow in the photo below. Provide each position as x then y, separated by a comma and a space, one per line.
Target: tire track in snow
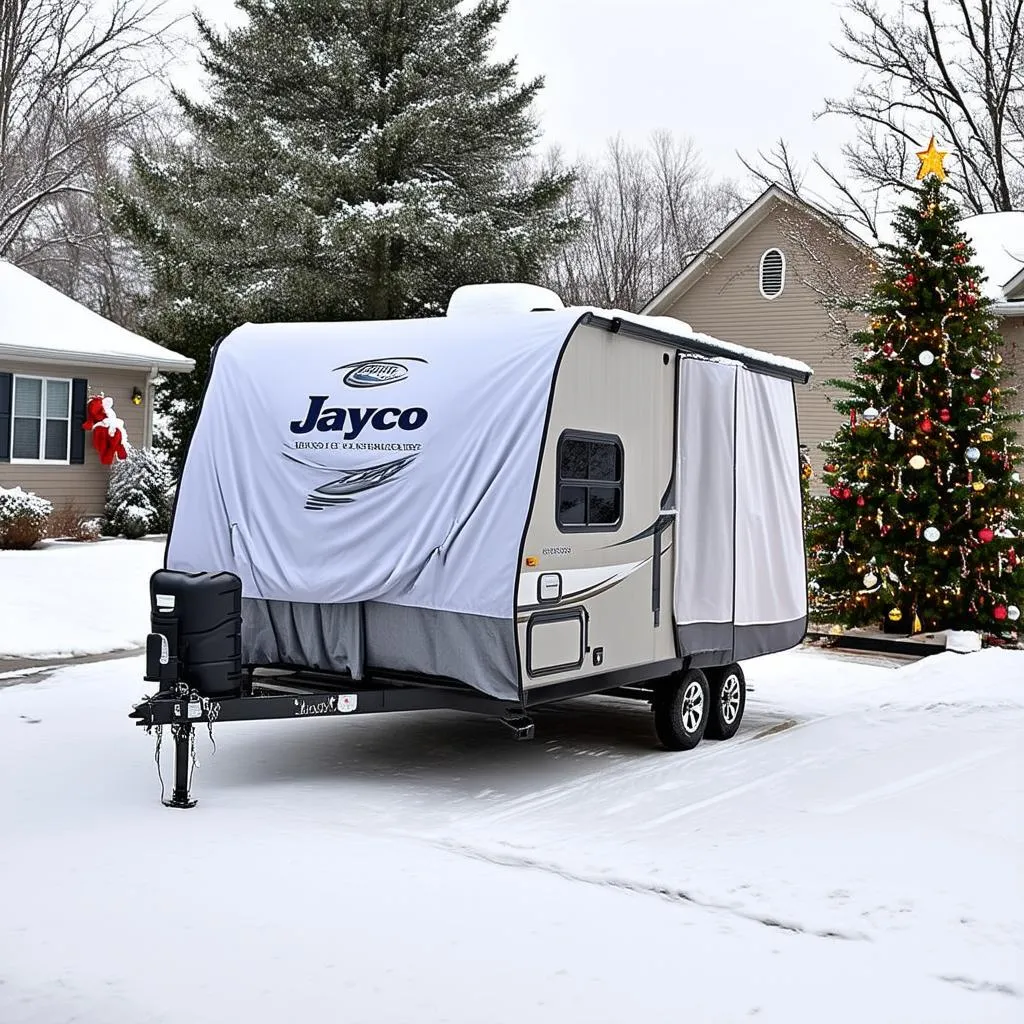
911, 781
668, 893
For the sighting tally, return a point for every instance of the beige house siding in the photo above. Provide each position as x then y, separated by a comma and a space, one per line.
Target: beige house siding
86, 485
727, 303
1012, 330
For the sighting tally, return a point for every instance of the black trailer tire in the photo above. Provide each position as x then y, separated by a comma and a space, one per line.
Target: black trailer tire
728, 702
681, 705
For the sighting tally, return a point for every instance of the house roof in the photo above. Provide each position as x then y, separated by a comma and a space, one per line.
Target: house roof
998, 242
733, 233
41, 324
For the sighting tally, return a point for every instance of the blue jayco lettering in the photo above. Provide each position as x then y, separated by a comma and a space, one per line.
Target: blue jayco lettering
356, 419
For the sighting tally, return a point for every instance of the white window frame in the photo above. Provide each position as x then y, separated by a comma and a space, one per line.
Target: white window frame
41, 461
760, 274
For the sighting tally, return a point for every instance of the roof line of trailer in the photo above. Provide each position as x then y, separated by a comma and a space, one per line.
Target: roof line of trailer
617, 325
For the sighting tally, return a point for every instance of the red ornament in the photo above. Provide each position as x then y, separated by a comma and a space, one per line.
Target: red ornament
985, 535
853, 417
1011, 557
944, 415
987, 397
926, 425
830, 467
836, 492
969, 399
846, 492
860, 500
999, 612
887, 349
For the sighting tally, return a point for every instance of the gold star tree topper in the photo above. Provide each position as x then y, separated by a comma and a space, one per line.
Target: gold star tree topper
931, 161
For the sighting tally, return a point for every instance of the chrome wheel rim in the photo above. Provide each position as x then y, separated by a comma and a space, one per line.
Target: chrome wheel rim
693, 706
730, 698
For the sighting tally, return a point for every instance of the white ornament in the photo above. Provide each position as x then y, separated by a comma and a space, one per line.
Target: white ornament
926, 358
1013, 613
917, 462
976, 373
870, 579
972, 454
870, 413
931, 534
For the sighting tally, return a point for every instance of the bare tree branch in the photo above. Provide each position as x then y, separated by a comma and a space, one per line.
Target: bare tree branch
74, 76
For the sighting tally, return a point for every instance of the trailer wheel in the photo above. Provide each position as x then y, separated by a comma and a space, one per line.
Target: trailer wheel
728, 701
681, 705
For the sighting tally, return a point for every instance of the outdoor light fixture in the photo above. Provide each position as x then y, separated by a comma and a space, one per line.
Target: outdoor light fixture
136, 396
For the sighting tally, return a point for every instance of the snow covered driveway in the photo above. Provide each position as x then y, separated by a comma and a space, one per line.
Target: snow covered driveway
855, 854
65, 599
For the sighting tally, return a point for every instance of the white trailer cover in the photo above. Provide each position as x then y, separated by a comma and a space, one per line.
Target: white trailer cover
740, 586
370, 484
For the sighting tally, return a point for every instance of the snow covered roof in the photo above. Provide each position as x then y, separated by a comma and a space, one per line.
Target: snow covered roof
998, 240
714, 346
39, 323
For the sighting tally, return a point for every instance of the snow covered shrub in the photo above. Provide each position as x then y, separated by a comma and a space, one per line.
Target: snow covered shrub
69, 523
23, 518
138, 499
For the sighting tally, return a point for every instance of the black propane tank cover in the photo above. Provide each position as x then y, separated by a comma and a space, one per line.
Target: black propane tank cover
206, 608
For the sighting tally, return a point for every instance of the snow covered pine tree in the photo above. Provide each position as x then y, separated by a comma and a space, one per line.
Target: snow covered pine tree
920, 528
355, 161
138, 496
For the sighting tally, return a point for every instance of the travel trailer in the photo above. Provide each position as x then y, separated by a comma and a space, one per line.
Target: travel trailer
509, 505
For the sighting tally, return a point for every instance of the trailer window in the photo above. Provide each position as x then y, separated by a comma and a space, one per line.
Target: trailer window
589, 482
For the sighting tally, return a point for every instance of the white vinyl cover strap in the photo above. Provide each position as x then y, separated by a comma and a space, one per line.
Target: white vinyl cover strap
740, 537
704, 481
389, 461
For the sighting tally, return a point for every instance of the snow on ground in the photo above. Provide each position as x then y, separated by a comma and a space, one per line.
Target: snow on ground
69, 598
853, 855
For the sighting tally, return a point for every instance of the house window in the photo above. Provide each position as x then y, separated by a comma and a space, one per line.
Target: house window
772, 278
40, 420
589, 482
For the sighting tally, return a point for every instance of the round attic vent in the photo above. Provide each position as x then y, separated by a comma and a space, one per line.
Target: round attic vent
773, 273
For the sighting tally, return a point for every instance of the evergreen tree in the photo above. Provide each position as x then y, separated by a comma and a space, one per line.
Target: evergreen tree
920, 526
138, 496
355, 160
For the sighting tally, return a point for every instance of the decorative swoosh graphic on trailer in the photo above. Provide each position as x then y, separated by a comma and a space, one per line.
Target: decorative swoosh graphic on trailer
349, 482
660, 525
577, 584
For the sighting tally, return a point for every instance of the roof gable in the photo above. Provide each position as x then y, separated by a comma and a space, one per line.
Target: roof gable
733, 233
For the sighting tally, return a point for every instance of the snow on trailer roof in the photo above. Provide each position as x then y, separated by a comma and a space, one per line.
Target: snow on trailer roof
38, 322
705, 344
504, 298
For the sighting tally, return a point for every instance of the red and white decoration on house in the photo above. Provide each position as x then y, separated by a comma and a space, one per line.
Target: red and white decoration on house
109, 437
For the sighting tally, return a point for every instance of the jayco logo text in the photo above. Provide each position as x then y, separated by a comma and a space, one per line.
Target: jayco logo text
350, 422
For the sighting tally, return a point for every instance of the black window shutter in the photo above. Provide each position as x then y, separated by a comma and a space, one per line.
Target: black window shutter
6, 387
79, 398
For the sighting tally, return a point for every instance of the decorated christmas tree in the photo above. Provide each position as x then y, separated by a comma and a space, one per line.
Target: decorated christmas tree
920, 527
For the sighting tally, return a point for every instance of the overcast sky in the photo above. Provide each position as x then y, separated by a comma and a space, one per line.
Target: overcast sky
732, 74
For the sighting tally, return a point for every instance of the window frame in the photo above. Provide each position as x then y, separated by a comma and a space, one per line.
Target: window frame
41, 459
588, 484
760, 274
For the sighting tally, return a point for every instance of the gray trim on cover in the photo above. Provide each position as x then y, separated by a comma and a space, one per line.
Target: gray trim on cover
710, 644
477, 650
705, 642
753, 641
359, 638
328, 637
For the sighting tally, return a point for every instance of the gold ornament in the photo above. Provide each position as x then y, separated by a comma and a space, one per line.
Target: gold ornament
917, 624
978, 485
931, 161
985, 435
863, 471
895, 615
